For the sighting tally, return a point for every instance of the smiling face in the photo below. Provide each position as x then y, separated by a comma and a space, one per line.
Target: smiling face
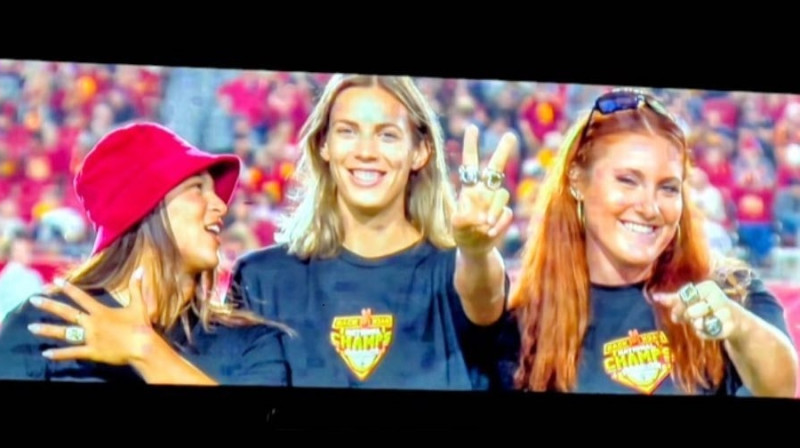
632, 200
371, 151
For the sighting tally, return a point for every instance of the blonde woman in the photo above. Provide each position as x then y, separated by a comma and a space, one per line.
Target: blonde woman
140, 308
388, 280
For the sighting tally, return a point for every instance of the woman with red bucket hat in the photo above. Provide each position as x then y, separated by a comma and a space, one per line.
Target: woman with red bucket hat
140, 308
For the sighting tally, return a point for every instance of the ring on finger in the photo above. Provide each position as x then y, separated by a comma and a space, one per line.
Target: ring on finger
712, 325
79, 318
468, 174
75, 334
492, 178
689, 294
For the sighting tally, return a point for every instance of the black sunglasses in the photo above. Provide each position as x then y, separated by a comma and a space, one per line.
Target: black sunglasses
625, 99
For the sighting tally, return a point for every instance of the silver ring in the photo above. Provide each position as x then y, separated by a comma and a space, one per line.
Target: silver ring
75, 334
493, 179
689, 294
712, 326
469, 174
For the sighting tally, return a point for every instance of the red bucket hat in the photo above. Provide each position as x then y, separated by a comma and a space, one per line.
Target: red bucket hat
131, 169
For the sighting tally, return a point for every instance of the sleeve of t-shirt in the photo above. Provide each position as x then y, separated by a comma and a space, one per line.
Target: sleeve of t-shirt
20, 350
765, 305
248, 356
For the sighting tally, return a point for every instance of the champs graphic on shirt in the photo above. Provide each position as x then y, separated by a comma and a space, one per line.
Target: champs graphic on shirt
639, 361
362, 340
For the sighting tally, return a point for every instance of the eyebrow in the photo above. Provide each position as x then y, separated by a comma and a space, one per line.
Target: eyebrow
641, 175
353, 123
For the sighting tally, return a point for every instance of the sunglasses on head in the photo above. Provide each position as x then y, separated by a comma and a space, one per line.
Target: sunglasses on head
623, 99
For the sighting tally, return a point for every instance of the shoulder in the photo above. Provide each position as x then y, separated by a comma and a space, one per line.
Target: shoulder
228, 339
265, 257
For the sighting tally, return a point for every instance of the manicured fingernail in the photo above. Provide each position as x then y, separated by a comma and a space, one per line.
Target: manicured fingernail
36, 301
138, 273
34, 328
47, 353
58, 281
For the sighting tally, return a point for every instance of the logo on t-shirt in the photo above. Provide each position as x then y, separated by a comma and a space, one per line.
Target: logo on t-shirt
639, 361
362, 341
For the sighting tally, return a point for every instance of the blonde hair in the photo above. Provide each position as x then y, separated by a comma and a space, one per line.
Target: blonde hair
314, 227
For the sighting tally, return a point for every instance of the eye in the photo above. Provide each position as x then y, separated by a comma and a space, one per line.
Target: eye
345, 131
672, 189
626, 180
390, 135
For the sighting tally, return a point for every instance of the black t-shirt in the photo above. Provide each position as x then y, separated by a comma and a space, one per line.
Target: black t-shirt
231, 355
625, 352
394, 322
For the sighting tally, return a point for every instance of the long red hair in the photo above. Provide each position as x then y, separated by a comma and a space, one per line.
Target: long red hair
553, 290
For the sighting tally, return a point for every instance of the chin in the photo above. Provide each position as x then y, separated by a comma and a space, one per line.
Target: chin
368, 203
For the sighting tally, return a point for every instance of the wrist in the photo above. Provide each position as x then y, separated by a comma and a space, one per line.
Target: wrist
742, 326
144, 342
480, 253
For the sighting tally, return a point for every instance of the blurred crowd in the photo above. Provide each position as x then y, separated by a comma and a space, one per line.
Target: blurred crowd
746, 147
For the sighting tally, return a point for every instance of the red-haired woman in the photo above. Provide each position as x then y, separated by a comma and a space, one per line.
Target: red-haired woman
619, 290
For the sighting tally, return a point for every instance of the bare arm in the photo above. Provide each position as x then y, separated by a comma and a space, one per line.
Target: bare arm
159, 363
480, 282
763, 356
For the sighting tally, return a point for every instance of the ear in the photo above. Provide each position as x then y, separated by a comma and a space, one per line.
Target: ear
324, 152
576, 183
420, 156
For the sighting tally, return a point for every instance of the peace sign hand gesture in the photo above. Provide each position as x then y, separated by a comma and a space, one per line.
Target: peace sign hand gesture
482, 216
115, 336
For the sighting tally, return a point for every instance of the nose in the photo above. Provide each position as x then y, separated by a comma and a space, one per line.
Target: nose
365, 148
647, 206
218, 205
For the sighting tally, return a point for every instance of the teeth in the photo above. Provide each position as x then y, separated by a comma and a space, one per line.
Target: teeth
366, 176
213, 229
638, 228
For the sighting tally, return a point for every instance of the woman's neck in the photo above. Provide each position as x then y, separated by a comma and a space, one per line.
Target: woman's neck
604, 271
377, 235
123, 294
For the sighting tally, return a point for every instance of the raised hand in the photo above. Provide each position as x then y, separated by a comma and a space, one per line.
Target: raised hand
482, 216
705, 306
115, 336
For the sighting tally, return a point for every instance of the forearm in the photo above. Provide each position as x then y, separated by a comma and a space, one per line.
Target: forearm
480, 282
159, 363
764, 358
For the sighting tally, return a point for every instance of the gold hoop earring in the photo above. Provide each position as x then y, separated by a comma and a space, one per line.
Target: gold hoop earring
581, 215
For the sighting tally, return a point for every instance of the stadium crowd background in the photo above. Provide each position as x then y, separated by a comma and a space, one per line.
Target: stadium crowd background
747, 149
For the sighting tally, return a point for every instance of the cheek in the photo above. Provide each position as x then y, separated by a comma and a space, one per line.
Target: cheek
671, 210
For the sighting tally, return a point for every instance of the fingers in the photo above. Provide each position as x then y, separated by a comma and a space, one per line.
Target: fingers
62, 310
698, 311
673, 303
496, 207
469, 155
69, 353
49, 331
83, 300
503, 223
712, 294
505, 148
